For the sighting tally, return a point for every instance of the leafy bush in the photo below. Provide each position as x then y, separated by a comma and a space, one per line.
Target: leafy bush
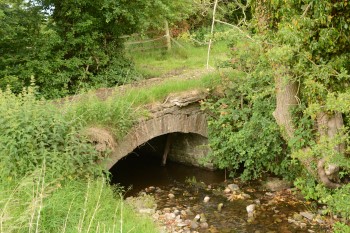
242, 130
34, 132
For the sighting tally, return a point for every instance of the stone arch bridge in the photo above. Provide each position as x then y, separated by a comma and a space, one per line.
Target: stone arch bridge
178, 113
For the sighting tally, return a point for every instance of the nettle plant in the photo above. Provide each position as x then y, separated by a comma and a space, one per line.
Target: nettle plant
35, 133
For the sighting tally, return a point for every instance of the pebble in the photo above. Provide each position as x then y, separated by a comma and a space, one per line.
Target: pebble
202, 218
170, 216
204, 225
220, 205
307, 215
183, 218
227, 190
319, 219
302, 224
197, 217
181, 224
177, 212
250, 208
297, 216
189, 212
194, 225
278, 220
233, 187
147, 211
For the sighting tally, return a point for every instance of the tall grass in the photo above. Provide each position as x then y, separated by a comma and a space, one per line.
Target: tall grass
32, 205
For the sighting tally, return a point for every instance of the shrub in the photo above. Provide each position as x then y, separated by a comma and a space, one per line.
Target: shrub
34, 132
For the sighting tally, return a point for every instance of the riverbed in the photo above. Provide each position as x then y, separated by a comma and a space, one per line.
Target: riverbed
190, 199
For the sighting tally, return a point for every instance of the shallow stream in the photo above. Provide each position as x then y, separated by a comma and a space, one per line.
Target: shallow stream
180, 191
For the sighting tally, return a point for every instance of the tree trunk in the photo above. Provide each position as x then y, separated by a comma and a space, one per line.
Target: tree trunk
329, 126
286, 97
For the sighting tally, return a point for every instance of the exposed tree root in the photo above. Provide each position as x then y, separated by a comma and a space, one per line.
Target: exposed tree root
323, 177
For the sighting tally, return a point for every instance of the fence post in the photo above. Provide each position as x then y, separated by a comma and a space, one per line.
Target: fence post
167, 36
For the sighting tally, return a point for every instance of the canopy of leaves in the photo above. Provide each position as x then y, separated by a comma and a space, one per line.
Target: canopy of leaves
72, 45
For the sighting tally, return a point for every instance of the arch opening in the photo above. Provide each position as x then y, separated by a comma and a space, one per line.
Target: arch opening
142, 167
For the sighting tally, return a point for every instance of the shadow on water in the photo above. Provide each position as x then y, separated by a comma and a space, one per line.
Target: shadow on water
143, 170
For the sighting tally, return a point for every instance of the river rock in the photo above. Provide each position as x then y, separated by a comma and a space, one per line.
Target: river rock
274, 184
302, 224
307, 215
196, 218
194, 225
206, 199
147, 211
227, 190
170, 216
245, 196
177, 212
150, 189
181, 224
202, 218
204, 225
189, 212
171, 196
319, 219
233, 187
220, 205
250, 208
297, 217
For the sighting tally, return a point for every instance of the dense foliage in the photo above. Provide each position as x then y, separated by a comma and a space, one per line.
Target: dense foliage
68, 46
242, 130
299, 44
36, 134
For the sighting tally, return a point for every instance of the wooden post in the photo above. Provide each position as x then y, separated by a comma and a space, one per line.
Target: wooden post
166, 149
167, 36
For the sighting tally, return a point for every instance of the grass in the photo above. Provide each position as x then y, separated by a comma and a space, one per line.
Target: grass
73, 207
160, 62
120, 111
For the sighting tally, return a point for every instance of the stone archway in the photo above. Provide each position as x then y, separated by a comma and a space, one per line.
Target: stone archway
170, 119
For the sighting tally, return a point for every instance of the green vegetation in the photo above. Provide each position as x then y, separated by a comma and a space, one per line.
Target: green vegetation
51, 169
282, 105
285, 101
120, 110
35, 204
78, 45
50, 179
180, 59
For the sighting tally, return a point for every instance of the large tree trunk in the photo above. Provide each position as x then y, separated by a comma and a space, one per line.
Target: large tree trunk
329, 126
286, 98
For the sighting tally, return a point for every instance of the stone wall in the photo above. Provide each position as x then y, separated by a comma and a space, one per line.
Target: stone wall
189, 148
